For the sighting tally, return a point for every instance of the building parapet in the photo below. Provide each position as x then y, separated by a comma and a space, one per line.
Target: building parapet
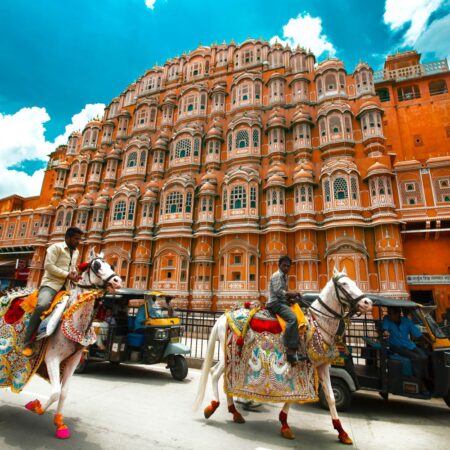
406, 73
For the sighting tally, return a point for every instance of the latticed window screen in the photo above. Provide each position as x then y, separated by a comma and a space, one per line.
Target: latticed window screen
310, 194
174, 202
204, 203
183, 148
340, 189
255, 135
245, 93
238, 198
119, 210
196, 146
381, 189
225, 200
59, 219
253, 197
303, 194
242, 139
354, 187
142, 159
442, 189
68, 218
230, 142
131, 208
326, 187
142, 116
189, 202
132, 159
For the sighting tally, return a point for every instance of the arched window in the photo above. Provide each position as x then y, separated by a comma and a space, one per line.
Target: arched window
59, 219
174, 202
330, 82
142, 159
188, 202
327, 192
335, 125
230, 142
75, 169
252, 197
68, 218
381, 186
255, 135
340, 188
132, 159
225, 200
242, 139
119, 210
354, 188
238, 198
131, 208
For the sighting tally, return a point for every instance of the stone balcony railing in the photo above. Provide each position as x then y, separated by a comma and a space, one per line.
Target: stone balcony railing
406, 73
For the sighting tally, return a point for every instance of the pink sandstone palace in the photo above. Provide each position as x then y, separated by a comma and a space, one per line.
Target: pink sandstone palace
203, 172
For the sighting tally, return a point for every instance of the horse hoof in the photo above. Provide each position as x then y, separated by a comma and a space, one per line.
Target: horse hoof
287, 433
211, 409
63, 433
35, 406
345, 439
238, 419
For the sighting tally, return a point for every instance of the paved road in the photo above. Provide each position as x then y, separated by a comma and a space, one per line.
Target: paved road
137, 407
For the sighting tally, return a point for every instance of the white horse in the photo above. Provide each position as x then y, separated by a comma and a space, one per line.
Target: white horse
339, 298
66, 344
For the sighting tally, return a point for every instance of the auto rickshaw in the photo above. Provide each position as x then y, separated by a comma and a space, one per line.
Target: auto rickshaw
366, 361
144, 330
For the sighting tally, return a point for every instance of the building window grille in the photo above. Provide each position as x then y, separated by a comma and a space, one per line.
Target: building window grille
230, 142
132, 159
189, 202
196, 146
242, 139
255, 138
131, 208
354, 188
224, 202
327, 191
252, 197
174, 202
238, 198
183, 148
340, 189
119, 210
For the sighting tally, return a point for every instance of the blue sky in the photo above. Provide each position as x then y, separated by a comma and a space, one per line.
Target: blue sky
61, 61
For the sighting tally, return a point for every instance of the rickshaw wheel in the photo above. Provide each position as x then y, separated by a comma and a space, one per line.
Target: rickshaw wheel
342, 395
179, 370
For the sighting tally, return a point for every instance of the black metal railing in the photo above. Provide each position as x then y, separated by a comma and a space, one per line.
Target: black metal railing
197, 328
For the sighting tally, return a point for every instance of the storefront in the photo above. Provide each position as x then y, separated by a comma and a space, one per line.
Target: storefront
14, 267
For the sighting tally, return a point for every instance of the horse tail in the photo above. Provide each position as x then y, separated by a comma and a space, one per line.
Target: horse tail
207, 363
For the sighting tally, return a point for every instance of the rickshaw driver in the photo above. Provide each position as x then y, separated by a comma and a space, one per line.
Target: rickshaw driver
398, 330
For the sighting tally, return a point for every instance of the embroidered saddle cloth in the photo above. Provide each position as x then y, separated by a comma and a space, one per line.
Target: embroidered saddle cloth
255, 362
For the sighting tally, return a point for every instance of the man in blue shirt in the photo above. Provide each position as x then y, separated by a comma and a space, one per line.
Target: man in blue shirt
398, 329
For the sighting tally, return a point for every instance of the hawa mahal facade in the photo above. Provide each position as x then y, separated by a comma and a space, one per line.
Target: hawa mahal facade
203, 172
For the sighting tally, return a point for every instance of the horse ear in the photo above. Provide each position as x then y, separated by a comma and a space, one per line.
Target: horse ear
101, 255
91, 253
344, 271
335, 272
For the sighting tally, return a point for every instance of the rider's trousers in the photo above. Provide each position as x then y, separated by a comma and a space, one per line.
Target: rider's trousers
45, 297
285, 312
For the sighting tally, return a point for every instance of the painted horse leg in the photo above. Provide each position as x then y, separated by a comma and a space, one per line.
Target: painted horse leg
216, 372
325, 381
285, 431
53, 364
62, 430
237, 417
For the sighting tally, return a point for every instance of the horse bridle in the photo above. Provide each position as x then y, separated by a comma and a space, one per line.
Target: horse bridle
91, 267
347, 301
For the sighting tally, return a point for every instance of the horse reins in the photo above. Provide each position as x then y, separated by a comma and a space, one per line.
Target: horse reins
93, 285
348, 301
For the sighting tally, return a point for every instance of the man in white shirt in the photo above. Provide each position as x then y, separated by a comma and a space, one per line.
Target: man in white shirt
60, 269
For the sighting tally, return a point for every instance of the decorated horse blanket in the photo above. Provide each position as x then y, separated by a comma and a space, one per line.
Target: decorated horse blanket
255, 361
15, 312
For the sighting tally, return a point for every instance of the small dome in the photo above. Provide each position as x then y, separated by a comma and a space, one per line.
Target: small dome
369, 105
214, 132
210, 176
207, 188
301, 117
276, 180
303, 173
150, 193
161, 144
378, 169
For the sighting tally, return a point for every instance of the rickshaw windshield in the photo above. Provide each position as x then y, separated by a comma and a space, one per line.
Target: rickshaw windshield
434, 326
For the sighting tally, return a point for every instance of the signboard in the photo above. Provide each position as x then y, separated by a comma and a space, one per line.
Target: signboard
428, 279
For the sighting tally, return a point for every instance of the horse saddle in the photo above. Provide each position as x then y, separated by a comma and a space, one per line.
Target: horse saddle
261, 320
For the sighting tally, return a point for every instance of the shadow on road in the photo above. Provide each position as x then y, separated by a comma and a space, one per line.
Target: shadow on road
22, 429
153, 374
398, 409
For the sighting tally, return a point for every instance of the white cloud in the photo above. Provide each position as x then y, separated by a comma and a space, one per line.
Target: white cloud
22, 138
416, 13
436, 38
150, 4
79, 120
306, 31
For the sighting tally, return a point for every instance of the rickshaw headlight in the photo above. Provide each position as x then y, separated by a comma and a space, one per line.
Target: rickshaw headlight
161, 334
